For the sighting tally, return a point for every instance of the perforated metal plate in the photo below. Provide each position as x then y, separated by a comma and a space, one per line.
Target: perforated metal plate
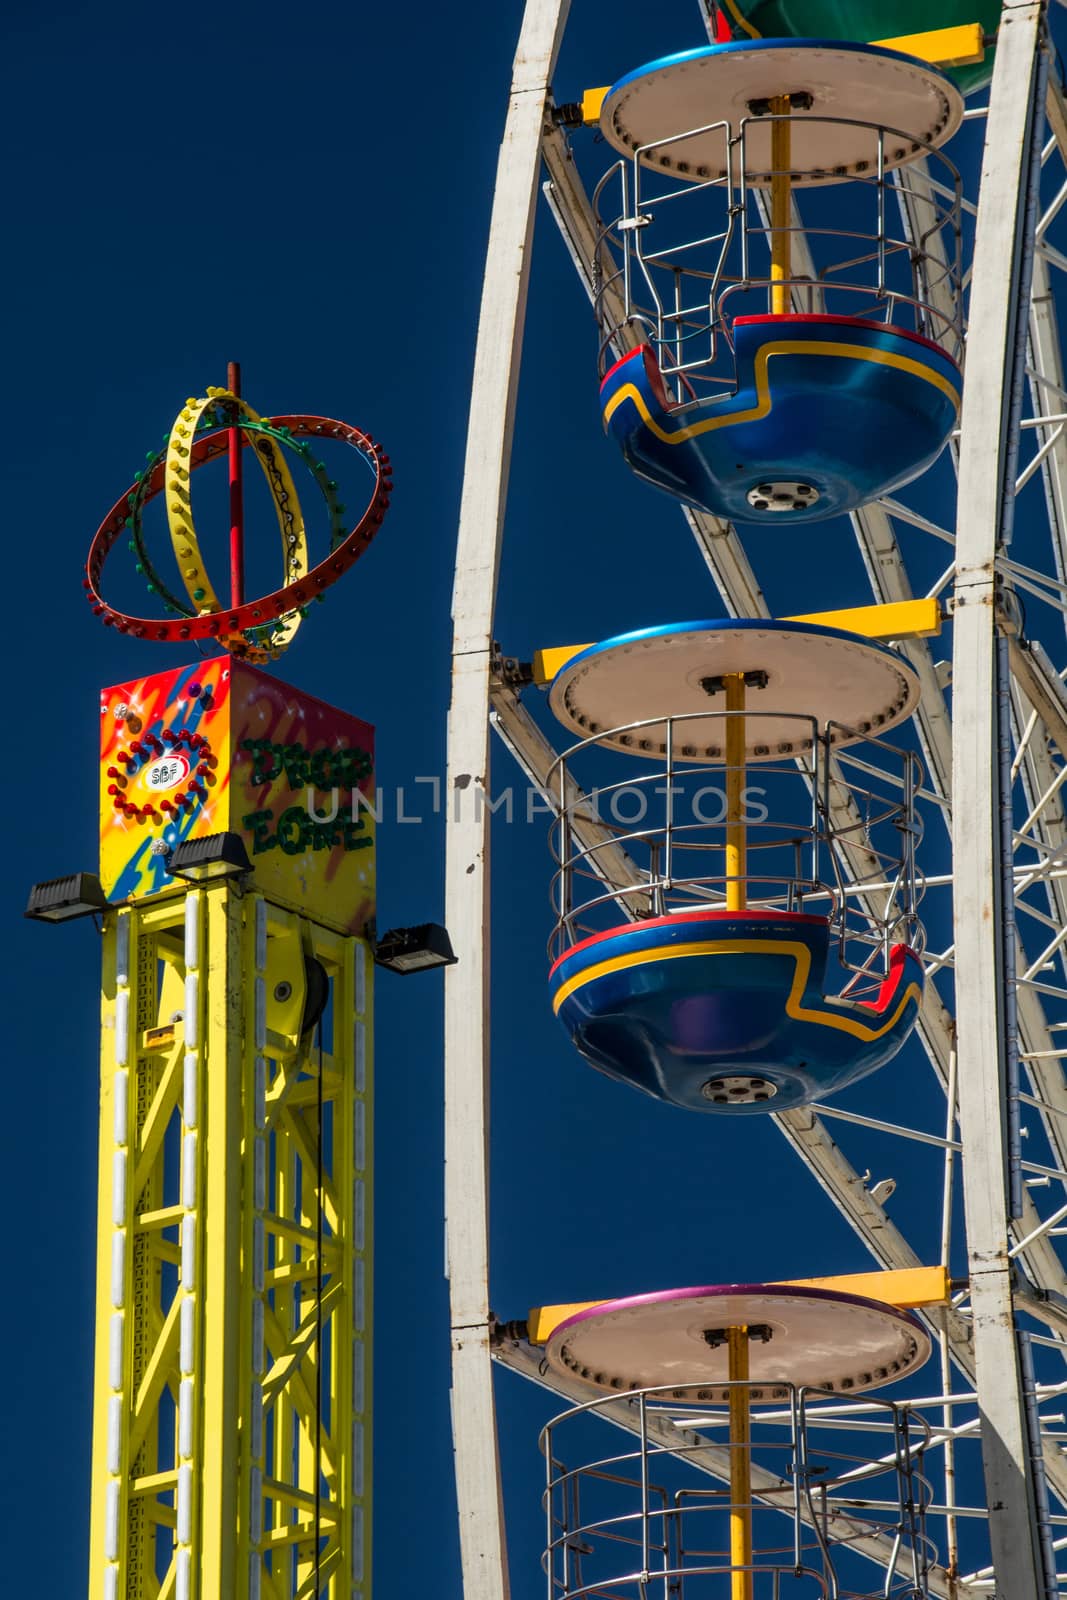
669, 109
818, 1337
812, 674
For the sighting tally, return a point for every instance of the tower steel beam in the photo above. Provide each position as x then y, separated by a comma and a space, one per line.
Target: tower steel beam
984, 929
231, 1450
496, 368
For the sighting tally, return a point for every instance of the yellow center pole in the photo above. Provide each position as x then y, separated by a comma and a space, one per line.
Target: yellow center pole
781, 207
735, 788
740, 1468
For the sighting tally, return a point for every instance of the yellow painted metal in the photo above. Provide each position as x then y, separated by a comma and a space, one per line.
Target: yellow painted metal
781, 206
231, 1444
960, 46
736, 831
897, 619
216, 1381
907, 1288
592, 101
546, 663
740, 1467
177, 487
740, 21
292, 776
542, 1321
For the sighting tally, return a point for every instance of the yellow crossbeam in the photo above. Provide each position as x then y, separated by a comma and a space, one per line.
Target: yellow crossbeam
942, 47
907, 1289
960, 46
898, 619
546, 663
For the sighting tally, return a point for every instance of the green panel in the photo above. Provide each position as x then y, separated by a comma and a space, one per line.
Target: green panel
863, 20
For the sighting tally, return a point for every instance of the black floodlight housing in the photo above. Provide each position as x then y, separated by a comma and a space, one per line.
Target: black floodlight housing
415, 949
64, 899
219, 855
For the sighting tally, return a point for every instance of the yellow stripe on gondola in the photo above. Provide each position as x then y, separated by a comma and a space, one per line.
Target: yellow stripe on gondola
783, 347
727, 947
740, 21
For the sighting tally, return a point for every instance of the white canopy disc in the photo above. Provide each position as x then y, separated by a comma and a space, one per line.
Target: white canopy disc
684, 99
673, 1340
841, 682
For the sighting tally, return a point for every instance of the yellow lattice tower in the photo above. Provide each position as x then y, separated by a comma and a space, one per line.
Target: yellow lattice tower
232, 1379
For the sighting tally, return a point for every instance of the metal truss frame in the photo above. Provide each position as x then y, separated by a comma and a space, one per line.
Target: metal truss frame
1006, 742
231, 1442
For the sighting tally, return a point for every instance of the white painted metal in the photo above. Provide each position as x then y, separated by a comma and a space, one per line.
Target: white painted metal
1032, 1232
496, 366
984, 939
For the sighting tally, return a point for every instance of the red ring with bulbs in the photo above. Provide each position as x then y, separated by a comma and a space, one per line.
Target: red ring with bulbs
225, 626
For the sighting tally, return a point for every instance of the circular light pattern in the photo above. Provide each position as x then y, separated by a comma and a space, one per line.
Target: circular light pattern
257, 630
156, 777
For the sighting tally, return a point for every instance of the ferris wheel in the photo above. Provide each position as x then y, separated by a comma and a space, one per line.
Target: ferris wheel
823, 263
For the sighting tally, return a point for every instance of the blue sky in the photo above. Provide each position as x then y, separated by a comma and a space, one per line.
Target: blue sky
309, 192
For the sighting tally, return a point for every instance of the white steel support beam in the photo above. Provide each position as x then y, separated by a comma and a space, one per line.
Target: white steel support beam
1047, 363
889, 582
496, 368
983, 936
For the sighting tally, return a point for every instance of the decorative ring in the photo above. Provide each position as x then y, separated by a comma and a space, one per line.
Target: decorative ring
239, 629
208, 420
180, 514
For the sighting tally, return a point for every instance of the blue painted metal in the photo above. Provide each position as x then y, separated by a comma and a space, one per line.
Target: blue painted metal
733, 625
754, 47
667, 1004
856, 409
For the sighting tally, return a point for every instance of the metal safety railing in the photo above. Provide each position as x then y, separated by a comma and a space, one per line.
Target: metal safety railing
671, 814
678, 259
833, 1488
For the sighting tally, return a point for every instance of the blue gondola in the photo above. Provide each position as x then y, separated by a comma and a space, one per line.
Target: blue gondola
729, 1011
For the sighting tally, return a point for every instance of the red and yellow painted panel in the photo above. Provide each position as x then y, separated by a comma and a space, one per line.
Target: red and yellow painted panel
221, 747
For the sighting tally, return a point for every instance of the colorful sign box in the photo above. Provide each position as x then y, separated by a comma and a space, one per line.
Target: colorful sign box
221, 747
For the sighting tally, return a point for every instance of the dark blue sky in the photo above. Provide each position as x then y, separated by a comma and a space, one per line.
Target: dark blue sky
308, 191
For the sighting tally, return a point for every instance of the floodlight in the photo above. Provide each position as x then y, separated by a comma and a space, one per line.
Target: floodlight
415, 949
207, 860
64, 899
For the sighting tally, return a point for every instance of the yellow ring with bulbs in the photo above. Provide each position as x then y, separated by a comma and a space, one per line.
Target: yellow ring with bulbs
176, 485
